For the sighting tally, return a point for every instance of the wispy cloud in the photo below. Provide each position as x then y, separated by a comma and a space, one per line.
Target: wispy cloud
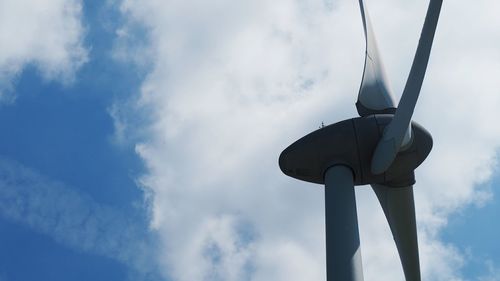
233, 83
74, 219
45, 34
493, 273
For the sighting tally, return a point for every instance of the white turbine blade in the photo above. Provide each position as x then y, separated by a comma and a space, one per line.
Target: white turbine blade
399, 209
391, 141
374, 94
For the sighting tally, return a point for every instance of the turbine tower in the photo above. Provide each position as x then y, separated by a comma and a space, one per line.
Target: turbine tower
382, 148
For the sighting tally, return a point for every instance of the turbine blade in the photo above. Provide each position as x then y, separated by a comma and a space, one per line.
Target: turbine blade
391, 141
399, 209
374, 94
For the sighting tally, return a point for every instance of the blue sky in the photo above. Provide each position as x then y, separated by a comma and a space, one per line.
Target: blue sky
473, 230
141, 137
65, 133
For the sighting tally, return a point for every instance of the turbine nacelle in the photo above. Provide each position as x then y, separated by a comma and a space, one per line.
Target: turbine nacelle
352, 143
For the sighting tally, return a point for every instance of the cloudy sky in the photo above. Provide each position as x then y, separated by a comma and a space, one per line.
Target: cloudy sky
140, 137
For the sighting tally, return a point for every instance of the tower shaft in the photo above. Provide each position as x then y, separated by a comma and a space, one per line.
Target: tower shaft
343, 253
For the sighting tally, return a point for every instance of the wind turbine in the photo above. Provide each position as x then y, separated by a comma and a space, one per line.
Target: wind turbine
382, 148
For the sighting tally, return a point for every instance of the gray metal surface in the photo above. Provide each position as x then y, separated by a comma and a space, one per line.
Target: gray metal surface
399, 209
392, 140
343, 252
351, 143
374, 94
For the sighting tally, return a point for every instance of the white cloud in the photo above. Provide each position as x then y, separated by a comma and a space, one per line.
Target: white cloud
47, 34
233, 83
74, 219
